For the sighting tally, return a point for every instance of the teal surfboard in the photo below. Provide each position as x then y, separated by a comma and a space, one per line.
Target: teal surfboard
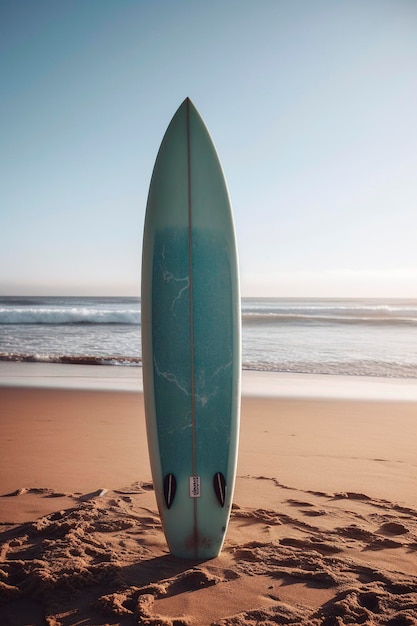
190, 316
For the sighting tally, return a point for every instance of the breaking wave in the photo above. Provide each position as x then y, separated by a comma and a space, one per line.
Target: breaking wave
70, 315
337, 313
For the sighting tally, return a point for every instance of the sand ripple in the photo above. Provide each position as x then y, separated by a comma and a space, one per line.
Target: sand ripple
311, 558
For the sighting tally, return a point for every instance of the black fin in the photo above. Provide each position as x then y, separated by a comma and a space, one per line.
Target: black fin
219, 484
170, 487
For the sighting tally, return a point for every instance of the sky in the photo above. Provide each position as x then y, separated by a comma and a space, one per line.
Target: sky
312, 105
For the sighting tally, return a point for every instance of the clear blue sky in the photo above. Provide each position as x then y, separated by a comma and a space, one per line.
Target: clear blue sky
312, 105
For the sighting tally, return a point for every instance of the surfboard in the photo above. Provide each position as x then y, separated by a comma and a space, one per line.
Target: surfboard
191, 355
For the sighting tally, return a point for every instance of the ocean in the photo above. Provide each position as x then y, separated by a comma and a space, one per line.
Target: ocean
317, 336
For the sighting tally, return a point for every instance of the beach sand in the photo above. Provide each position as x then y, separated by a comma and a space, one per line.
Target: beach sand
323, 529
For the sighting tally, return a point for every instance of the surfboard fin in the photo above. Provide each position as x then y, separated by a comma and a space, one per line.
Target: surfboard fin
170, 488
219, 484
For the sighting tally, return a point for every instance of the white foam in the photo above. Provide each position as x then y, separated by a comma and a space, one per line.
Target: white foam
67, 315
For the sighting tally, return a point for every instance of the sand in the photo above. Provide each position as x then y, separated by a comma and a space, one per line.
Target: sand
323, 529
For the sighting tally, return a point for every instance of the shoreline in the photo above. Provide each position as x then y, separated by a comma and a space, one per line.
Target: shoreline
255, 383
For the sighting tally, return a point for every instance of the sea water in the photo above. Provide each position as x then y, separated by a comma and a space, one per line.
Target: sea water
345, 337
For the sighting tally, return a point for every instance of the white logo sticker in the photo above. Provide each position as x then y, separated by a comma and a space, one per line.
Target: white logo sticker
195, 487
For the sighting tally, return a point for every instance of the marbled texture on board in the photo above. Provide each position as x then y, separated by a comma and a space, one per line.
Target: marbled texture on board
212, 357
